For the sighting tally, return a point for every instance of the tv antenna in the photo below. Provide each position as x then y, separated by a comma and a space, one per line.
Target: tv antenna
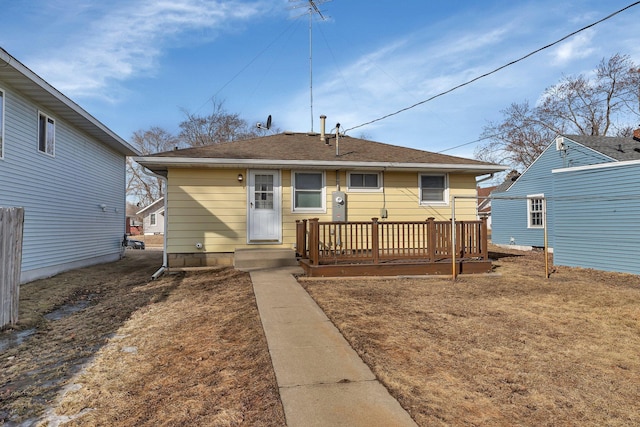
312, 7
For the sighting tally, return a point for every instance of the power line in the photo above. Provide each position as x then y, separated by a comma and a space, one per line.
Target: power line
497, 69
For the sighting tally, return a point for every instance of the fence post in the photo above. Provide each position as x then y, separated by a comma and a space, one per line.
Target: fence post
314, 243
375, 242
11, 227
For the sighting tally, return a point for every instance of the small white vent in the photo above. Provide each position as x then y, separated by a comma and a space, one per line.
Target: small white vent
560, 143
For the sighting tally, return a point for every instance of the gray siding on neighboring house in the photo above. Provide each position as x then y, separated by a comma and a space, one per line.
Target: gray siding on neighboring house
158, 228
597, 217
65, 227
509, 208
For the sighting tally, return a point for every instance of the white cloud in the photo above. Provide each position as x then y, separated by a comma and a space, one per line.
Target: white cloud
127, 40
577, 47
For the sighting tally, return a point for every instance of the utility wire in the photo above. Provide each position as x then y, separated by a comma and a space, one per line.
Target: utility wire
497, 69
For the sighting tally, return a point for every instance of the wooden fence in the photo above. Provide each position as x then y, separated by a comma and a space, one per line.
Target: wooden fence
11, 226
375, 242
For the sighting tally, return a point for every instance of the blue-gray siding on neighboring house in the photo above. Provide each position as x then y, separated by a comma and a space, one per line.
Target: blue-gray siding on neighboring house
509, 208
597, 217
65, 225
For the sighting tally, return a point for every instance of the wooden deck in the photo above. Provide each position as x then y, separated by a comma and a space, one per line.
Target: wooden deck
332, 249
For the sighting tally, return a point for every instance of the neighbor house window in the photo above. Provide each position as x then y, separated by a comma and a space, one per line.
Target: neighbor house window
535, 211
46, 134
152, 219
433, 189
1, 124
357, 181
308, 191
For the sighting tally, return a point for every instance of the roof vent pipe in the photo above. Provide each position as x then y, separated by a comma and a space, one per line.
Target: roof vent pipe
323, 138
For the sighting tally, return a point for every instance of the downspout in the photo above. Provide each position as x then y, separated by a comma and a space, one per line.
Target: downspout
165, 263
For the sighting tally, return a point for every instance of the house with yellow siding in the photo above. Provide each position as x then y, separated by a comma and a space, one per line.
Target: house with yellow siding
249, 194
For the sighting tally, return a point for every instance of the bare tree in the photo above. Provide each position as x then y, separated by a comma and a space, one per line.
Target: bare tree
219, 126
517, 140
143, 187
599, 105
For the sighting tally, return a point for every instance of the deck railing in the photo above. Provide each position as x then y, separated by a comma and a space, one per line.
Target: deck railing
375, 241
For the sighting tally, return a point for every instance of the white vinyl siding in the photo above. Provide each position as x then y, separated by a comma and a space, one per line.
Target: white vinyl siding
46, 134
309, 192
61, 198
359, 181
535, 211
434, 189
1, 124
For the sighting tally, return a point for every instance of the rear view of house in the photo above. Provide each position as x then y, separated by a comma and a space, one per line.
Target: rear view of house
65, 168
249, 194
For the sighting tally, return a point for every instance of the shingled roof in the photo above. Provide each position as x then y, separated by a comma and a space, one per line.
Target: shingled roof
618, 148
306, 149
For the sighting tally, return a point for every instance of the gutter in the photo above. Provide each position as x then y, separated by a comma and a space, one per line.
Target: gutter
163, 162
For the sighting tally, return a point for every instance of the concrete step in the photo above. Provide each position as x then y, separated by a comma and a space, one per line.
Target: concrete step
257, 259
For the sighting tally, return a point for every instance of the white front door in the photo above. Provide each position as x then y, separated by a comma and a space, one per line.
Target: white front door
264, 219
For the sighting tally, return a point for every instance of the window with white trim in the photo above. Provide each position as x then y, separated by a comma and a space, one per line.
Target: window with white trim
1, 124
152, 219
434, 189
309, 192
535, 211
364, 181
46, 134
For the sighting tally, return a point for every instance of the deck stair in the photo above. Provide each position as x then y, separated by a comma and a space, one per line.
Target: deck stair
257, 259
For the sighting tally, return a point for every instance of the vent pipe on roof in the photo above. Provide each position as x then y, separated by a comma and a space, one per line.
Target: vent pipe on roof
636, 134
323, 138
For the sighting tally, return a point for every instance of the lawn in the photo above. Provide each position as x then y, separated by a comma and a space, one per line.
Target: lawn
513, 349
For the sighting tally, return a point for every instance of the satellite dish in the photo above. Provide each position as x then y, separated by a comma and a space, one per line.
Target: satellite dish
269, 122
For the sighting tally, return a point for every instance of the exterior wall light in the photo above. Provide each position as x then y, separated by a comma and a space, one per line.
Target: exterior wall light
240, 177
103, 207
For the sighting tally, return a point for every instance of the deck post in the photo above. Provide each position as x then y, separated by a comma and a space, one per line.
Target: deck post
301, 238
484, 238
375, 242
431, 238
314, 243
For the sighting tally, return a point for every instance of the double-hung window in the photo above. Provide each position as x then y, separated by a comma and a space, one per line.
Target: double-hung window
46, 134
434, 189
357, 181
152, 219
1, 124
308, 192
535, 211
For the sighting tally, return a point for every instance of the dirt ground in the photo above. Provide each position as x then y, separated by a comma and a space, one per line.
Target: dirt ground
118, 349
514, 349
106, 346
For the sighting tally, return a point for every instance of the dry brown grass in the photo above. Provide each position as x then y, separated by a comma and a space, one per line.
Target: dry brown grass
510, 350
186, 349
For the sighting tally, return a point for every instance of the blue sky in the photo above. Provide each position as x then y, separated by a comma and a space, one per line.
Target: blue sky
134, 64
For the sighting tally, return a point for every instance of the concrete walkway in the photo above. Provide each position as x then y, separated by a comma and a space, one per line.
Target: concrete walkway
322, 381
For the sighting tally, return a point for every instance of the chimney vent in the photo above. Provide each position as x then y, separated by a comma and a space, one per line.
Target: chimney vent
636, 134
323, 137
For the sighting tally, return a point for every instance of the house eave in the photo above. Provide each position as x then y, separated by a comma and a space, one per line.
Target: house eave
28, 83
160, 165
